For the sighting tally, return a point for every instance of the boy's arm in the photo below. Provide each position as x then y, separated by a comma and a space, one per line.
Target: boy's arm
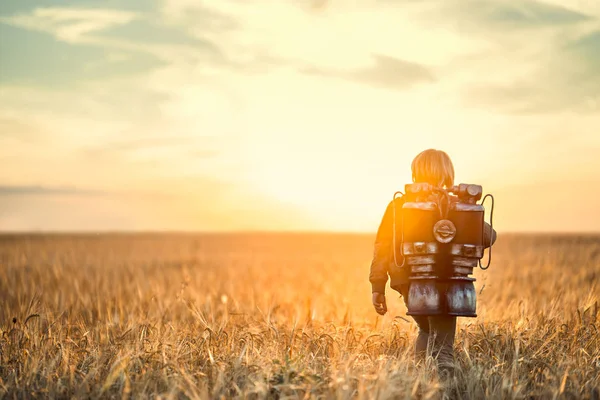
382, 257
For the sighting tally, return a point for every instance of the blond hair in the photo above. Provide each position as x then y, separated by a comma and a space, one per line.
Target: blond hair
434, 167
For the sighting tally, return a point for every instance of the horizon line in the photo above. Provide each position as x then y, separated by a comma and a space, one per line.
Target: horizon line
251, 232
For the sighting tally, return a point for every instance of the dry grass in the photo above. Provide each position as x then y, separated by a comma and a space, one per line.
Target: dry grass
257, 316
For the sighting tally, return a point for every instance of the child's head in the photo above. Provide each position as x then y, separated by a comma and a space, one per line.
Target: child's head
433, 167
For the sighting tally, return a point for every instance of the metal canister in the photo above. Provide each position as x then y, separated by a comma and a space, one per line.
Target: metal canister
420, 213
466, 249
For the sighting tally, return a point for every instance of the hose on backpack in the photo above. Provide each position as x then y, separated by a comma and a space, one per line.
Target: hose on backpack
394, 231
491, 233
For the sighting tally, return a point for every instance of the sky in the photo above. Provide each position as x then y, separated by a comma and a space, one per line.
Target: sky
221, 115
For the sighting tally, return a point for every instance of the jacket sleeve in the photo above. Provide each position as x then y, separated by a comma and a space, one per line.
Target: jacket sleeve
382, 253
489, 235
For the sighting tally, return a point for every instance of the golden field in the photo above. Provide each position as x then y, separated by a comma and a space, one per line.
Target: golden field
282, 316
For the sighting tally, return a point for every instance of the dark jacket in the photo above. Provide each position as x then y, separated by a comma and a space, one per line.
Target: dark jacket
383, 256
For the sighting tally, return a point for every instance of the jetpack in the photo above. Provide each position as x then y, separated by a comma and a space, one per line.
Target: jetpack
439, 236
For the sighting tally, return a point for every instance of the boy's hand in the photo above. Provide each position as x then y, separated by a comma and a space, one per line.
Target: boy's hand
379, 303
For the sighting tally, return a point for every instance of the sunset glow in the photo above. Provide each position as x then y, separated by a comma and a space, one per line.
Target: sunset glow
263, 115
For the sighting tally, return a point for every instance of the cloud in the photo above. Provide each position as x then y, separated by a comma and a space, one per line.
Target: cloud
385, 72
567, 80
70, 24
125, 31
500, 15
151, 29
255, 37
141, 143
15, 128
530, 13
531, 58
12, 190
41, 60
529, 98
587, 49
199, 204
117, 133
12, 7
201, 17
155, 149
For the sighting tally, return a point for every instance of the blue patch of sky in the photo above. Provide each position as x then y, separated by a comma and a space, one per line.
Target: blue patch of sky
36, 58
10, 7
588, 47
535, 13
520, 13
585, 52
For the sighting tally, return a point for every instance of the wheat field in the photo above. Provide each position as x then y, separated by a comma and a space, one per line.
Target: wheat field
282, 316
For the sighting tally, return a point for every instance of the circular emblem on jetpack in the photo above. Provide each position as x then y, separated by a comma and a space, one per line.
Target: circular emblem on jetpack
444, 231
